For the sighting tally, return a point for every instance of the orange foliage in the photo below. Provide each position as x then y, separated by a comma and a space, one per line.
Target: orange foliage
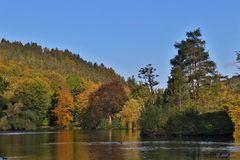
82, 98
64, 107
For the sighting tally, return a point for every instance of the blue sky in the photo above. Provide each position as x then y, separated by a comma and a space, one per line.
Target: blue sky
126, 34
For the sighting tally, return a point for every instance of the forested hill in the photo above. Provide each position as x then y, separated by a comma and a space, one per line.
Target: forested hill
17, 58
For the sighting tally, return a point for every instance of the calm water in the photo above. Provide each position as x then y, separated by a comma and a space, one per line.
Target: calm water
111, 145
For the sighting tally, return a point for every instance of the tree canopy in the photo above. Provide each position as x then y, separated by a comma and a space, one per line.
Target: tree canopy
194, 60
148, 75
107, 101
41, 87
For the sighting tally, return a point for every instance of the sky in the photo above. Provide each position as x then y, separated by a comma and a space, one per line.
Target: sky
126, 34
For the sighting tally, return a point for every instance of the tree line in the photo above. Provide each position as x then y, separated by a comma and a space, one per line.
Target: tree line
43, 87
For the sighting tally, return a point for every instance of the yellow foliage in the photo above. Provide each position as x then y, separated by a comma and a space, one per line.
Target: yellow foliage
212, 98
27, 71
234, 108
131, 112
127, 90
3, 68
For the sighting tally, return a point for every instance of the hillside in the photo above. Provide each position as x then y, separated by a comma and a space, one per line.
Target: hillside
17, 58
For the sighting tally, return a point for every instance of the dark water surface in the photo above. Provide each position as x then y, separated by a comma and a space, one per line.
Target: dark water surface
112, 145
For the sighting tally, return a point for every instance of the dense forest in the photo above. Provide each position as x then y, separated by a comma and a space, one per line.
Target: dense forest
50, 87
34, 81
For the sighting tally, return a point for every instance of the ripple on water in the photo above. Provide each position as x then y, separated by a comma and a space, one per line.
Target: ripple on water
154, 145
24, 133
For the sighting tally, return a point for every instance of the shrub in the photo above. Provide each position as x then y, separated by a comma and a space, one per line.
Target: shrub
153, 119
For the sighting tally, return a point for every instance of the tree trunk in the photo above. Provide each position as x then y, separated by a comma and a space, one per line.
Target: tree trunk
129, 125
110, 120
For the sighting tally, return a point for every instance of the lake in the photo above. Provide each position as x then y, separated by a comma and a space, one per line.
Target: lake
112, 145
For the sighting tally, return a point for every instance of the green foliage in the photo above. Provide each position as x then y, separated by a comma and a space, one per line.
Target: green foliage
45, 86
196, 100
3, 85
177, 94
191, 122
142, 92
62, 62
212, 96
153, 119
35, 75
132, 83
51, 116
183, 122
159, 95
35, 95
74, 84
4, 124
18, 118
104, 124
193, 60
188, 122
149, 77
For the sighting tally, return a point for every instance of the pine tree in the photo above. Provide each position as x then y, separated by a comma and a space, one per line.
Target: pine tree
194, 60
177, 92
147, 73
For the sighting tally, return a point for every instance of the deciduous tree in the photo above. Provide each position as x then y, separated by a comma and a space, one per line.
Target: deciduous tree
74, 83
17, 118
35, 95
64, 107
107, 101
131, 112
3, 84
83, 98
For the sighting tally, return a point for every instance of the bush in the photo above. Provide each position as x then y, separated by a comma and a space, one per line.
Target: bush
154, 119
16, 118
104, 124
4, 124
183, 122
191, 122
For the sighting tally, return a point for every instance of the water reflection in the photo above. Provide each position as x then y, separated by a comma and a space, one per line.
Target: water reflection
236, 135
117, 145
64, 145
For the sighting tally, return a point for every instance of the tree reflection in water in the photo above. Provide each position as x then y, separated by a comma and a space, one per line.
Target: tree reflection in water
113, 144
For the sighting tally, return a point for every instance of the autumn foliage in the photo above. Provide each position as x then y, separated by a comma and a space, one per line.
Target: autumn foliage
42, 87
83, 98
64, 107
105, 102
131, 112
